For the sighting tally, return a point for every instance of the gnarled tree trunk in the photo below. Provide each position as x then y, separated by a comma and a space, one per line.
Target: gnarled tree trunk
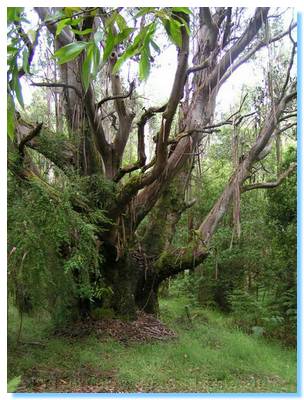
136, 261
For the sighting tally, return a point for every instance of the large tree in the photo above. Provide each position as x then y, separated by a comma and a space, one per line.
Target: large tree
135, 237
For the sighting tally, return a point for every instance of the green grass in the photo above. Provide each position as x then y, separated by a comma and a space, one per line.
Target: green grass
209, 355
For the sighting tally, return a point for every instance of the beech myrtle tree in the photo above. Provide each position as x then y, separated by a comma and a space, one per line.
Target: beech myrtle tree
126, 214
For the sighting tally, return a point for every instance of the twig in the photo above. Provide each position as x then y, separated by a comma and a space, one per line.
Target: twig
61, 85
121, 96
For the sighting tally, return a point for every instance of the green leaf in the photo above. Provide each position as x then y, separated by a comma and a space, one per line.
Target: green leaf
90, 65
16, 87
10, 117
155, 47
66, 22
123, 35
13, 384
70, 51
84, 32
25, 63
12, 50
31, 34
121, 22
184, 10
130, 52
96, 61
174, 32
109, 45
61, 25
144, 10
183, 23
144, 64
70, 10
135, 47
86, 69
13, 13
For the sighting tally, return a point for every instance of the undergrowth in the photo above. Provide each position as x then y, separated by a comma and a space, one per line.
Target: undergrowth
209, 355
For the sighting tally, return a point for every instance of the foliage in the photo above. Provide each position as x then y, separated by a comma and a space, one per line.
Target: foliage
116, 33
52, 248
254, 278
13, 384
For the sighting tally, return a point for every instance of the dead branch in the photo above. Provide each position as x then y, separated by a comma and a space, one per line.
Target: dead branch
28, 138
293, 52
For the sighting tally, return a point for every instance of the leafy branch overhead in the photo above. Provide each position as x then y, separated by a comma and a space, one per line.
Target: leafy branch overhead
135, 41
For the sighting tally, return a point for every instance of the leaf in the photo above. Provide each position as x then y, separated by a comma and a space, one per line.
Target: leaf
98, 37
123, 35
66, 22
121, 22
96, 61
25, 63
182, 22
130, 52
155, 47
16, 87
13, 384
108, 45
84, 32
184, 10
10, 117
144, 64
90, 65
135, 47
13, 13
12, 50
86, 69
175, 32
144, 10
70, 51
31, 34
69, 10
61, 25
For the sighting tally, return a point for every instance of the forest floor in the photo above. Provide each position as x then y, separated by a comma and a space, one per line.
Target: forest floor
207, 355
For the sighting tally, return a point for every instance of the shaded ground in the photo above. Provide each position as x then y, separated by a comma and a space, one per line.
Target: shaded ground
207, 354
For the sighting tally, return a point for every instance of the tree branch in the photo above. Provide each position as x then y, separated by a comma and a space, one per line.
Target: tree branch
251, 52
233, 53
59, 85
122, 96
62, 156
270, 185
34, 132
141, 155
30, 46
64, 37
211, 221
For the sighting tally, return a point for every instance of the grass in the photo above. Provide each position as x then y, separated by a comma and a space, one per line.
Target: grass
208, 356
